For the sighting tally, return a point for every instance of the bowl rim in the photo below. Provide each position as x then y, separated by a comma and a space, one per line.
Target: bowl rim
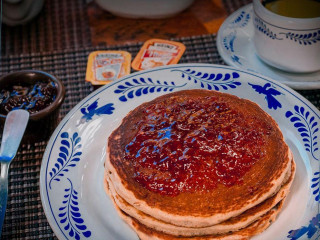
54, 105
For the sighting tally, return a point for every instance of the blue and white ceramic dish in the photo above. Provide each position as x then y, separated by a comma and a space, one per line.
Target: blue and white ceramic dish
236, 47
71, 178
286, 43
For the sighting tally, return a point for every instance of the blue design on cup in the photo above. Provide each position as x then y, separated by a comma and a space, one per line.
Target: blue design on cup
143, 86
228, 43
69, 155
307, 231
305, 39
270, 93
307, 126
316, 186
70, 214
262, 27
210, 80
241, 20
89, 111
301, 38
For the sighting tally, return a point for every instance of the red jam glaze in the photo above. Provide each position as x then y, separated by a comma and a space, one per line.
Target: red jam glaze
193, 145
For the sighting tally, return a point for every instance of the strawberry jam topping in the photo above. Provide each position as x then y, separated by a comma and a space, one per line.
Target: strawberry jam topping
31, 97
193, 145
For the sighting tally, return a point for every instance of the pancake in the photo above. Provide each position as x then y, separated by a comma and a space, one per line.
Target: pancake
246, 233
230, 225
253, 229
208, 146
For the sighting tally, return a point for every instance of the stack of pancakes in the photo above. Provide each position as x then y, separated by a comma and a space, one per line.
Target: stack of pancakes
198, 164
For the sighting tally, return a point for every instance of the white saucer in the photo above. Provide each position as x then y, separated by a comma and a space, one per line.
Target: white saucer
235, 45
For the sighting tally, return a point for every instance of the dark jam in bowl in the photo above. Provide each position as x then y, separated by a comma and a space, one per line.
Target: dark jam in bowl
31, 97
193, 145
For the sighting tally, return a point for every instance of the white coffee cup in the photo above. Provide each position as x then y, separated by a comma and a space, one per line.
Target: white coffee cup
290, 44
18, 12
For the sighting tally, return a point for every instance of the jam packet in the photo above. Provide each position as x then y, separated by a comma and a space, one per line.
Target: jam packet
106, 66
158, 52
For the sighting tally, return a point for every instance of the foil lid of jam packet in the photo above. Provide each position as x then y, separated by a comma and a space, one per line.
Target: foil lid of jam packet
106, 66
158, 52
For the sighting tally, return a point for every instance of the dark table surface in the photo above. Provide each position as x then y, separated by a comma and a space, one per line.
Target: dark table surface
58, 41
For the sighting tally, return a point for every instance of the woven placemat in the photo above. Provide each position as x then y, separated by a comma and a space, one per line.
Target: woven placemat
61, 25
25, 218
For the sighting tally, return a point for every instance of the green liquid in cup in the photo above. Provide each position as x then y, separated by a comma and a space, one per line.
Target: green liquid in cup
294, 8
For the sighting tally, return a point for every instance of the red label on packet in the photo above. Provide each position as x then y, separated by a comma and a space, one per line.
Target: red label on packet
158, 52
106, 66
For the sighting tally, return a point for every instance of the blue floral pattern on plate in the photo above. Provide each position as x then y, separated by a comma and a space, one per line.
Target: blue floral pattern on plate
270, 93
140, 86
91, 110
307, 126
312, 230
70, 216
211, 81
68, 157
72, 169
316, 186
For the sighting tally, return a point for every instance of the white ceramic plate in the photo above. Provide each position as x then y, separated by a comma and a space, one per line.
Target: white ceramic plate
71, 178
235, 45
